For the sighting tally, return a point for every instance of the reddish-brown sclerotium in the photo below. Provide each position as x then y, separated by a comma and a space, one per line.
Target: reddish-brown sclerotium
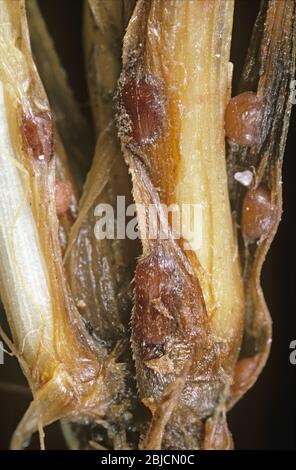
217, 435
258, 214
144, 103
168, 303
63, 194
37, 133
243, 119
244, 370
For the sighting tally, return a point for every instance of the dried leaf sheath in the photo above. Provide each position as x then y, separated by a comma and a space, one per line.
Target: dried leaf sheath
104, 26
268, 71
57, 356
100, 270
72, 125
68, 119
187, 318
66, 193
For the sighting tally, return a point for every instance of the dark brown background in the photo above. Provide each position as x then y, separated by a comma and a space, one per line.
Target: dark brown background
266, 417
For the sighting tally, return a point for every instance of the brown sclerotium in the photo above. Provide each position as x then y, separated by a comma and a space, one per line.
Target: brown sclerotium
258, 214
37, 134
217, 435
172, 341
168, 304
244, 370
63, 195
243, 119
143, 101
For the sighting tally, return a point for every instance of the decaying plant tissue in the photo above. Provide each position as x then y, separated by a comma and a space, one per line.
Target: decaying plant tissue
141, 345
57, 355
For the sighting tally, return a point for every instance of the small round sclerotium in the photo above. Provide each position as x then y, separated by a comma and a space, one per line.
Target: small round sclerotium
143, 101
37, 134
258, 214
243, 119
63, 195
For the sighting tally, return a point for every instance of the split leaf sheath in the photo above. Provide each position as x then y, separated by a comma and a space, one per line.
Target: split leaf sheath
188, 313
58, 357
